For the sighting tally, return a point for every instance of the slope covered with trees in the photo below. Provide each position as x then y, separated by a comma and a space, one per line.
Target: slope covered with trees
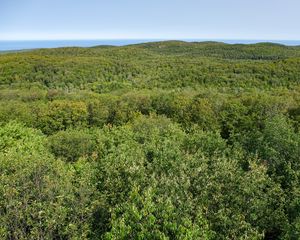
165, 140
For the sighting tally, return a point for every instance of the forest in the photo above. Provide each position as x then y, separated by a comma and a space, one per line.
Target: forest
164, 140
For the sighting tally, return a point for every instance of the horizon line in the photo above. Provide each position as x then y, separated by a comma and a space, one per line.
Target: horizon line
161, 39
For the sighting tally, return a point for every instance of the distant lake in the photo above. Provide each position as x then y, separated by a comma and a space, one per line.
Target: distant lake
28, 44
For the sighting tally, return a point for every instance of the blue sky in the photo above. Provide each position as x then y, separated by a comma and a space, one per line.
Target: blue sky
149, 19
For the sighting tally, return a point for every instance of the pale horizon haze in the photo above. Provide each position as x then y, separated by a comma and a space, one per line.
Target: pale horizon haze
155, 19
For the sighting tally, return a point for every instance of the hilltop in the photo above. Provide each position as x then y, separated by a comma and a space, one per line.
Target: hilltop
165, 65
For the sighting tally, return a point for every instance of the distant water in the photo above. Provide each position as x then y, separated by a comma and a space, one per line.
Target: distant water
28, 44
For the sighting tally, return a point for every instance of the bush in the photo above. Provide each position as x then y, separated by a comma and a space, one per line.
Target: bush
73, 144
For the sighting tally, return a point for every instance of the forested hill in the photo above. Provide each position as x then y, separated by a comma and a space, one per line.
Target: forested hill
154, 65
267, 51
164, 140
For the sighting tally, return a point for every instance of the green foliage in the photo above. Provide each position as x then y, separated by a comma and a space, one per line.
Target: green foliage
144, 216
41, 198
166, 140
59, 115
73, 144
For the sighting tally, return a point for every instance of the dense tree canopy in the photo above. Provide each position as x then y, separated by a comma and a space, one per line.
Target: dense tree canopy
166, 140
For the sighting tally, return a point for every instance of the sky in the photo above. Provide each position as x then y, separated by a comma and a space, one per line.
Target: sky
149, 19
